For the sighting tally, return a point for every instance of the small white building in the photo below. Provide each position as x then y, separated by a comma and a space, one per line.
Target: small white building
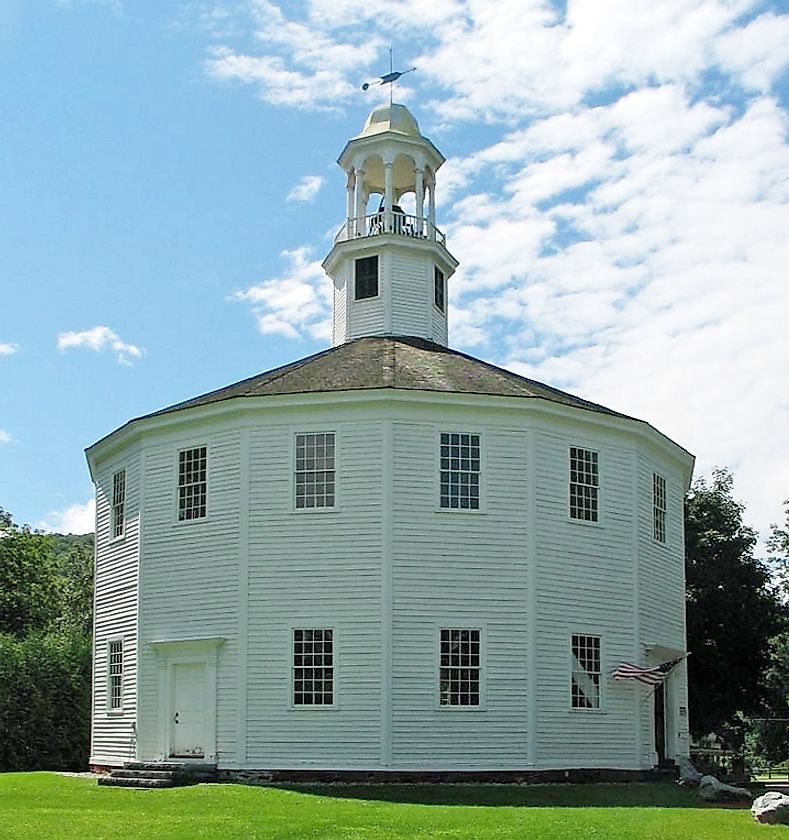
390, 555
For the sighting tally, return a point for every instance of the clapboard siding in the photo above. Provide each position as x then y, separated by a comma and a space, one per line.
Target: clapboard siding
440, 323
661, 595
458, 569
340, 309
315, 569
584, 586
190, 584
115, 615
410, 290
386, 568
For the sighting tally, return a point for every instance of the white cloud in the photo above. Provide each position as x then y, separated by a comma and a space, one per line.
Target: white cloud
672, 304
5, 437
76, 519
307, 188
98, 339
624, 235
298, 302
8, 348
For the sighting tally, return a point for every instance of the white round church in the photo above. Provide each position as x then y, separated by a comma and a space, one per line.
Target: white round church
389, 556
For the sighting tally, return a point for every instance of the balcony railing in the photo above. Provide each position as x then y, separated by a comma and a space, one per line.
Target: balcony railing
400, 224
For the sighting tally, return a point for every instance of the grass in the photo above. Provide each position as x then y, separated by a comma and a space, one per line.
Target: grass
45, 806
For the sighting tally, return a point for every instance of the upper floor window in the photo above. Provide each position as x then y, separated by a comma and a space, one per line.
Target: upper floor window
115, 674
586, 671
118, 503
313, 667
315, 470
659, 507
438, 287
192, 483
460, 471
459, 679
366, 280
584, 484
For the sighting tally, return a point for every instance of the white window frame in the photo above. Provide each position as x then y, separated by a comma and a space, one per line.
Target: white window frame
118, 508
436, 272
482, 472
377, 294
111, 677
189, 448
598, 487
659, 512
460, 624
313, 625
293, 482
589, 634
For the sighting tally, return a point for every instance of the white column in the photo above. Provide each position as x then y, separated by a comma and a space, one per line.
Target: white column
349, 212
420, 201
360, 202
431, 213
388, 196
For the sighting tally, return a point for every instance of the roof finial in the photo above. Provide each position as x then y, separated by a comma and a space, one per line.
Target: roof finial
390, 78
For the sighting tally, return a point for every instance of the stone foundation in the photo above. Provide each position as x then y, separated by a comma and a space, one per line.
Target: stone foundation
417, 777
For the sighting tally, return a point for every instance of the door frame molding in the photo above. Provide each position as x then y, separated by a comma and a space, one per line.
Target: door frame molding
196, 651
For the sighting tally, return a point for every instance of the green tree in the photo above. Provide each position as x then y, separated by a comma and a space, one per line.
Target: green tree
74, 559
732, 610
29, 579
778, 549
46, 606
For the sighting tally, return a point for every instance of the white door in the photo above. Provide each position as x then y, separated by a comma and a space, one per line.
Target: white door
188, 724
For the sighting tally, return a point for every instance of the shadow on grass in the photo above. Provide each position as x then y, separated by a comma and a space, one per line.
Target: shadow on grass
626, 795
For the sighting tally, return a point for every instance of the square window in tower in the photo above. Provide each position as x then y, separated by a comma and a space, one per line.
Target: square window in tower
438, 283
366, 277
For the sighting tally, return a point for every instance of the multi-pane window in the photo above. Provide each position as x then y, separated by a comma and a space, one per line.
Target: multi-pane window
659, 507
115, 674
460, 470
584, 484
118, 503
586, 672
438, 290
313, 667
460, 667
366, 277
192, 483
315, 470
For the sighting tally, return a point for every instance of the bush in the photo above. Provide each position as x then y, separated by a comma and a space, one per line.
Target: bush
45, 701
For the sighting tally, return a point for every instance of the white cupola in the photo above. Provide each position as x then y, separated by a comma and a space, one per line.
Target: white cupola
390, 264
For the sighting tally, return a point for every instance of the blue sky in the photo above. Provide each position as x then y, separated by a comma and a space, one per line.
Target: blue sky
616, 190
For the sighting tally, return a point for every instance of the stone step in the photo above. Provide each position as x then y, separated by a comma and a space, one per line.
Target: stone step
148, 773
159, 774
135, 782
175, 767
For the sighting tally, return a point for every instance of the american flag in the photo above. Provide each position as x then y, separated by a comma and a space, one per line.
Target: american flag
649, 676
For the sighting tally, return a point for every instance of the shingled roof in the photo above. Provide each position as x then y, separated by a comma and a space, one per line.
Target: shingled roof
402, 362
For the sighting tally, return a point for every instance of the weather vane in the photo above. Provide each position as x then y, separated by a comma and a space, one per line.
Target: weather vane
389, 78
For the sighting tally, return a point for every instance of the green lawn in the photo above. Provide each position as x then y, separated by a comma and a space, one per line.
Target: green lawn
45, 806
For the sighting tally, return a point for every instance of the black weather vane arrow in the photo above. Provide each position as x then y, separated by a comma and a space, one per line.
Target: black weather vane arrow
388, 78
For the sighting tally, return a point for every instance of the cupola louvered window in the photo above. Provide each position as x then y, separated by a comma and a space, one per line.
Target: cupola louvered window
366, 280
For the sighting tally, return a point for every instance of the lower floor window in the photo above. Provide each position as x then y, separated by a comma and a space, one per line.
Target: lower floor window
586, 672
115, 673
313, 667
460, 667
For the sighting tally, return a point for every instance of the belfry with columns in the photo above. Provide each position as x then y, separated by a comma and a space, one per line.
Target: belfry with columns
390, 267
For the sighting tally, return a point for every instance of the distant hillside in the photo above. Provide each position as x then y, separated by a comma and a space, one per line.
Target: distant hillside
63, 543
